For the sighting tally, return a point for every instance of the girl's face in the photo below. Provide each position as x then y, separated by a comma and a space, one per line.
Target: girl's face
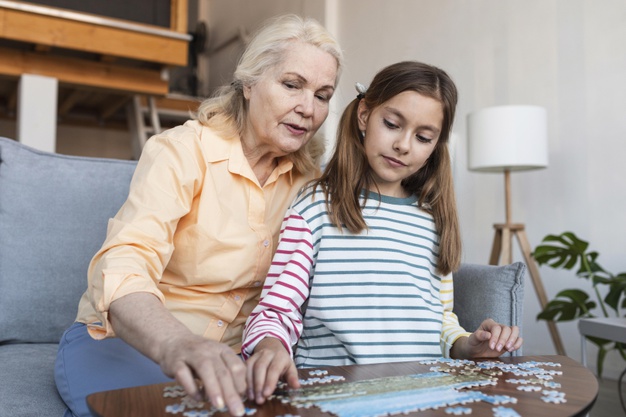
400, 135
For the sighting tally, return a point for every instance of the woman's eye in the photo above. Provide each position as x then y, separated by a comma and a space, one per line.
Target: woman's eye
290, 85
322, 97
389, 124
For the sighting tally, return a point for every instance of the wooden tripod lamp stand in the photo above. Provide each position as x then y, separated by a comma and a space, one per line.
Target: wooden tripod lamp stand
506, 139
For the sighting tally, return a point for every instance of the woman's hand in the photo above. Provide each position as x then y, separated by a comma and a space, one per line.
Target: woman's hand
143, 322
221, 371
490, 340
269, 363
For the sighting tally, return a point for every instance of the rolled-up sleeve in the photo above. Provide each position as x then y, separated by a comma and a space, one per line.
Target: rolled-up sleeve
140, 238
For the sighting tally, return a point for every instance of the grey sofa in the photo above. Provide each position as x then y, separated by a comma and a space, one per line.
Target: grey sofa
53, 216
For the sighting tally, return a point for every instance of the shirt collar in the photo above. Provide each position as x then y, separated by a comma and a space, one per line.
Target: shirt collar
225, 145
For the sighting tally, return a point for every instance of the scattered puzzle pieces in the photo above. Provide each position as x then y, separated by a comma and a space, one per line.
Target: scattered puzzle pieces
325, 380
552, 396
529, 388
457, 411
318, 372
446, 385
504, 412
498, 399
173, 391
174, 408
197, 413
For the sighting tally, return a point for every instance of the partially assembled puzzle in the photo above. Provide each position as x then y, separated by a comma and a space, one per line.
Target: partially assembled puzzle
445, 386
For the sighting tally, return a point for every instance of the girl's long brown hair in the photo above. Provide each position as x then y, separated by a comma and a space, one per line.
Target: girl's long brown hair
348, 171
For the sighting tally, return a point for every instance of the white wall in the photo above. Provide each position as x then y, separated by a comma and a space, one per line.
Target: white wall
565, 55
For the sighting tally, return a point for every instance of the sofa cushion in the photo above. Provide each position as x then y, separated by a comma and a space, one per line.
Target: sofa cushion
54, 211
27, 385
489, 291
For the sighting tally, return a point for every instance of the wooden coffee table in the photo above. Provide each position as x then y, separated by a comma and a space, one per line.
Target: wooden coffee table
577, 383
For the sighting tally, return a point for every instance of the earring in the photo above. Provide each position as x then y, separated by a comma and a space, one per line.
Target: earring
363, 134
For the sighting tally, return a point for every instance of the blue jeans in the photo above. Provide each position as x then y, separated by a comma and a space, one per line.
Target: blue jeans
85, 366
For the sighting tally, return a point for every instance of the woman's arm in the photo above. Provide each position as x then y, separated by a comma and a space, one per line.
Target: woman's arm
140, 238
143, 322
124, 275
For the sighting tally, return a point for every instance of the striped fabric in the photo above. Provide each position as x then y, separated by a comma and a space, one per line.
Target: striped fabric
367, 298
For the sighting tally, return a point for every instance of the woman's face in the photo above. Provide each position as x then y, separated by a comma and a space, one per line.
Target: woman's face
290, 101
400, 136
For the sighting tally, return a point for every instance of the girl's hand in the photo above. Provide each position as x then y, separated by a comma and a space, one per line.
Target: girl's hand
269, 363
490, 340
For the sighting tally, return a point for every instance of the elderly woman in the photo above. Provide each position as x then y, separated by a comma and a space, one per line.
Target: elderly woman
185, 258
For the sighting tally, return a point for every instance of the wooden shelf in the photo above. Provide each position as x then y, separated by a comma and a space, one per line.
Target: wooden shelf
100, 62
84, 73
58, 28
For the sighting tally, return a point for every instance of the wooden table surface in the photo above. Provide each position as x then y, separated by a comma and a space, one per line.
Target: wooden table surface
577, 382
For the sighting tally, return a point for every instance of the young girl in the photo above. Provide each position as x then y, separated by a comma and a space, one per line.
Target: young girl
363, 269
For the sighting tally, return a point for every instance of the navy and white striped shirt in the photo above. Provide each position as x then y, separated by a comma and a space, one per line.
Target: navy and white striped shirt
362, 298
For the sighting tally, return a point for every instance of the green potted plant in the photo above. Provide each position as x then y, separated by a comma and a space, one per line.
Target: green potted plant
567, 251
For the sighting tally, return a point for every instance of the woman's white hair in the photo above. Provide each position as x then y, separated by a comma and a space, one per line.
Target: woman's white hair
265, 51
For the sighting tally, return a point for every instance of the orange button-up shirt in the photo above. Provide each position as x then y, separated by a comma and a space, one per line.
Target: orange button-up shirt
197, 231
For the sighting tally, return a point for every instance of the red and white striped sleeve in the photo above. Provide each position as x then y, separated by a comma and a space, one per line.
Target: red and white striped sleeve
279, 312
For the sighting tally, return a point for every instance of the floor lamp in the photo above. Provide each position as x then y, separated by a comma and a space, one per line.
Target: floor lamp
506, 139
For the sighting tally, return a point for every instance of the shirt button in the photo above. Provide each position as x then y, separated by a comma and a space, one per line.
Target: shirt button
220, 323
237, 298
266, 243
256, 283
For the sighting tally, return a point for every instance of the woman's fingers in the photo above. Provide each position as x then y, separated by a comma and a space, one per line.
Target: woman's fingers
237, 369
221, 372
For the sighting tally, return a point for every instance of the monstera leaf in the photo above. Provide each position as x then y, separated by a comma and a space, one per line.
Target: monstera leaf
567, 251
568, 305
617, 288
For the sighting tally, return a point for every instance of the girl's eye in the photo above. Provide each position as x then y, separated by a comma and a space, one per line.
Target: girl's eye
389, 124
424, 139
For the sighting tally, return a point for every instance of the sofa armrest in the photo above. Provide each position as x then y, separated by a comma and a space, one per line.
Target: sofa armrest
54, 211
488, 291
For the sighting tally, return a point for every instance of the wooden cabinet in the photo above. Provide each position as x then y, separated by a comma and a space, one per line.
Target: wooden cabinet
98, 60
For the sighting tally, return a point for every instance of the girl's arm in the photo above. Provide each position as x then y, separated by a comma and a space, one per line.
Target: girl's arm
275, 325
451, 330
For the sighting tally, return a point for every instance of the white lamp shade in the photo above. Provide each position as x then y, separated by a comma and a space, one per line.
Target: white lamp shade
510, 138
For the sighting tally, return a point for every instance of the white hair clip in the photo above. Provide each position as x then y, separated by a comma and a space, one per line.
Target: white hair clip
361, 89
